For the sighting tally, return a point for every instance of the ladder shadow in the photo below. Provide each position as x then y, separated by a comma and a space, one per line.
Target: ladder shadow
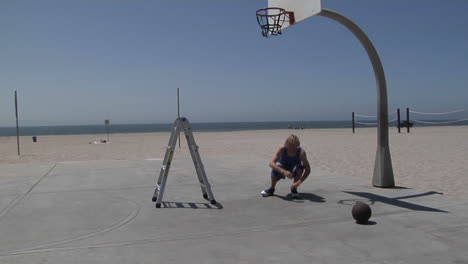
191, 205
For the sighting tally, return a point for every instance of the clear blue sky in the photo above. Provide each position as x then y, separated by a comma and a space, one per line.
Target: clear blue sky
80, 62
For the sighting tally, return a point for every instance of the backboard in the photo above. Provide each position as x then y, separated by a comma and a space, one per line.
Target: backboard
301, 9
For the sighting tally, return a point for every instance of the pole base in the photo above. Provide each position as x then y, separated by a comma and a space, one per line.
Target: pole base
383, 171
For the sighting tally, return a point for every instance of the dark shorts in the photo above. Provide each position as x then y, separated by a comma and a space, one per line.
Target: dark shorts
294, 169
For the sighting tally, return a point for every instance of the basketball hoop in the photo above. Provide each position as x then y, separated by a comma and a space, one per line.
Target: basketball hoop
271, 20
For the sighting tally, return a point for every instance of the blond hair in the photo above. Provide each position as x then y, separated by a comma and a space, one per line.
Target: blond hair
292, 140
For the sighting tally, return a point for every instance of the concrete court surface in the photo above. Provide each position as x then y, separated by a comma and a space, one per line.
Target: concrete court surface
101, 212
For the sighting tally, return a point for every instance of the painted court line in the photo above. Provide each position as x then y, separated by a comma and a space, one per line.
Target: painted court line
240, 231
18, 200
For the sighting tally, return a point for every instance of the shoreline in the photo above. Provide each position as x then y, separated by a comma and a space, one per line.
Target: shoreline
403, 131
115, 129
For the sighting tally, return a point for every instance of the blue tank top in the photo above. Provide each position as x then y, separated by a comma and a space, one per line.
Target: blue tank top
290, 161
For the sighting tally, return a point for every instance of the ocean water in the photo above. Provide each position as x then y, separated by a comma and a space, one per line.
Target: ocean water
198, 127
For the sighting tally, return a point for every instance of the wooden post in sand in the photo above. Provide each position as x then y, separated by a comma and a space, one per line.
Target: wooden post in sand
407, 120
106, 122
178, 111
353, 122
398, 117
17, 127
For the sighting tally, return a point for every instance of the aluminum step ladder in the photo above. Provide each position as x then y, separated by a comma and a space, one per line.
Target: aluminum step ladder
180, 124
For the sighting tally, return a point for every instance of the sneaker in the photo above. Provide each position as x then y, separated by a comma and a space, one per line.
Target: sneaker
294, 194
268, 192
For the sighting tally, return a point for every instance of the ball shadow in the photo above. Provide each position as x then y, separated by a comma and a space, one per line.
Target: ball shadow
367, 223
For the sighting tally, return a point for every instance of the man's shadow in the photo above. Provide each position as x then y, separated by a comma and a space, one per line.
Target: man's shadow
302, 197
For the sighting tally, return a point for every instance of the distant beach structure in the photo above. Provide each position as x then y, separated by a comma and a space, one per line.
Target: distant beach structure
447, 118
299, 126
406, 124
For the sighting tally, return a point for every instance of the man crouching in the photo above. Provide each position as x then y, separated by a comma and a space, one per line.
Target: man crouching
289, 161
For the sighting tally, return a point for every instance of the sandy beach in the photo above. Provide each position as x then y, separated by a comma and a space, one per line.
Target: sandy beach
428, 158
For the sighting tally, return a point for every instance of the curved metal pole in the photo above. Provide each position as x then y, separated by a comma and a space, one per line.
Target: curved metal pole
383, 171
